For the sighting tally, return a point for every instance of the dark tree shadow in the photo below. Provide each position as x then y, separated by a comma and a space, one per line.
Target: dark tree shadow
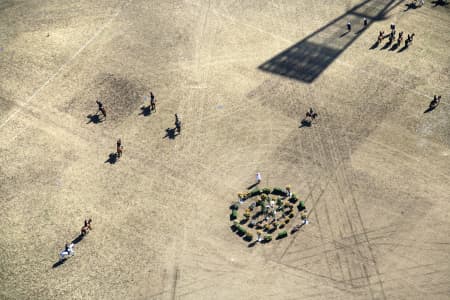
145, 111
305, 123
440, 3
112, 158
59, 262
94, 119
170, 133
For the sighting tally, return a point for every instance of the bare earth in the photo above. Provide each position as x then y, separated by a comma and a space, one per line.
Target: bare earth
374, 170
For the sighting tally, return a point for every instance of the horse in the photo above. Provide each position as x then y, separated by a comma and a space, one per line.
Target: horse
435, 102
101, 108
119, 148
67, 252
87, 227
380, 37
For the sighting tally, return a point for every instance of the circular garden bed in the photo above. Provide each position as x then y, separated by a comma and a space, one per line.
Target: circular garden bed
261, 215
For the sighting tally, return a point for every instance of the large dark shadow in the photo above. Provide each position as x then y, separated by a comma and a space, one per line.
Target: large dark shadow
307, 59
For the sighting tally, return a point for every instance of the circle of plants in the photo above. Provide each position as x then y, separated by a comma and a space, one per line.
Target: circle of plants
263, 214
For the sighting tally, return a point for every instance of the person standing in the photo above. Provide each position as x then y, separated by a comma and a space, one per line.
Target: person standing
152, 102
349, 26
258, 178
119, 148
365, 22
177, 124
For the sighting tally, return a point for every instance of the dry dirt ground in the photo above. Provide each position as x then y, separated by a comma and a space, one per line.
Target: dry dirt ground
374, 170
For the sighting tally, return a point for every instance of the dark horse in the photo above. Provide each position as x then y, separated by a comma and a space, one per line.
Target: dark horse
87, 227
101, 108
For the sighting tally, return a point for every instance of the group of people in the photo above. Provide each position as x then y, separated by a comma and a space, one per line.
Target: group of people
392, 35
151, 107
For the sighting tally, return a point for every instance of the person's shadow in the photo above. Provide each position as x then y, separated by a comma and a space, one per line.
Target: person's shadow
94, 119
58, 263
145, 111
112, 158
170, 133
402, 49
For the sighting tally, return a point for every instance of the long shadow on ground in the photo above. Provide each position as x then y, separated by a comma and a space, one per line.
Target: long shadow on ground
307, 59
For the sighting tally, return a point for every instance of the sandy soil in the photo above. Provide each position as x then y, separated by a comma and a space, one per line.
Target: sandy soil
374, 169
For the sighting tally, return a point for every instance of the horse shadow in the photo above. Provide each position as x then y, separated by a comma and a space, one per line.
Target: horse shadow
170, 133
59, 262
375, 45
410, 6
394, 47
402, 49
387, 45
94, 119
78, 239
145, 111
305, 123
440, 3
112, 158
429, 109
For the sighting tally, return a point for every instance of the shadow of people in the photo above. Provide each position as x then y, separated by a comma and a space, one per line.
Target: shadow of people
440, 3
112, 158
344, 34
58, 263
170, 133
252, 186
145, 111
305, 123
94, 119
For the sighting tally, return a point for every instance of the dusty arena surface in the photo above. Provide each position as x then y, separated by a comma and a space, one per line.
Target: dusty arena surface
374, 169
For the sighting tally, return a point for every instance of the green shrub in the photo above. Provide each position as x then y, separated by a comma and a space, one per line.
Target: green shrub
266, 191
248, 236
254, 192
234, 214
267, 238
301, 205
279, 202
278, 191
282, 234
241, 230
247, 215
